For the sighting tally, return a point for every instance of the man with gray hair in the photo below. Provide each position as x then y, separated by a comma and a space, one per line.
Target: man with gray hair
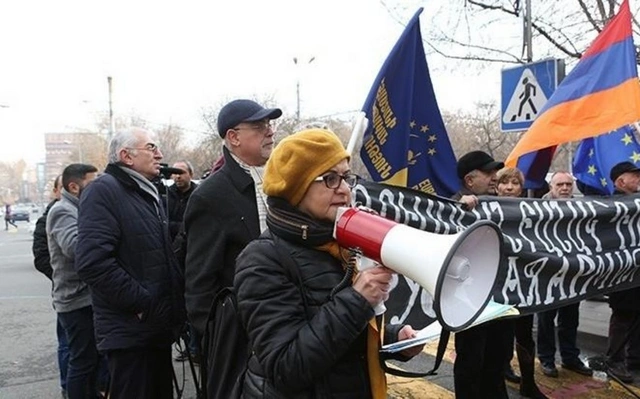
124, 254
568, 317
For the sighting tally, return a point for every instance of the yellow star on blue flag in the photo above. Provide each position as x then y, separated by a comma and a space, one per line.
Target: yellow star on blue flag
596, 156
406, 143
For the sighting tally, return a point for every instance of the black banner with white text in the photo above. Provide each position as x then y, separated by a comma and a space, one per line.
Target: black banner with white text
555, 252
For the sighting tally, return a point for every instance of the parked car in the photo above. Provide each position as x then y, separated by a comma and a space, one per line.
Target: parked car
20, 213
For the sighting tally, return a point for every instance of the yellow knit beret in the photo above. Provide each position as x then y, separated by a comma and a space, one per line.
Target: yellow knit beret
298, 160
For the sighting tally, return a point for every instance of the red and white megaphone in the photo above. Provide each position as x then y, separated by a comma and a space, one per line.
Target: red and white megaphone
458, 270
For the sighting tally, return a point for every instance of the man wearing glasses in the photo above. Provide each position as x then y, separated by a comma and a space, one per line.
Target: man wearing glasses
228, 209
123, 253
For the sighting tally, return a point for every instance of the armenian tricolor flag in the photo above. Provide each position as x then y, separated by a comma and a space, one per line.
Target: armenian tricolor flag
601, 94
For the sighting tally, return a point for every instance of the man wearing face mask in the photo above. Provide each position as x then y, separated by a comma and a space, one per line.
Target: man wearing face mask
623, 353
71, 297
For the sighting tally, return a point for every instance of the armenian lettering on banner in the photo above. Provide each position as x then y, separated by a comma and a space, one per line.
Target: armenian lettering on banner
556, 252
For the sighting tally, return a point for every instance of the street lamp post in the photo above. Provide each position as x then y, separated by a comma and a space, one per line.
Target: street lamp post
295, 61
112, 126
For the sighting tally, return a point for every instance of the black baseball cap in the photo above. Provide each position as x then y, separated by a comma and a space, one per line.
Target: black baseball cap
238, 111
477, 160
621, 168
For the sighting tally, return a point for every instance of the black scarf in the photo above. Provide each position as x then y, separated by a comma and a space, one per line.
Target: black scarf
291, 224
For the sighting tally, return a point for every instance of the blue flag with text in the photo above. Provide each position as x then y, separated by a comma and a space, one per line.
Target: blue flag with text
596, 156
406, 143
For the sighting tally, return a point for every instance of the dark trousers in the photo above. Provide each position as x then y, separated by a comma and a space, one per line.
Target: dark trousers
479, 367
194, 341
141, 373
568, 318
83, 355
624, 337
63, 353
8, 222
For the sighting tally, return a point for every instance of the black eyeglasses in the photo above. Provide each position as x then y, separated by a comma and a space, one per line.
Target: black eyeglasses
261, 127
148, 147
332, 179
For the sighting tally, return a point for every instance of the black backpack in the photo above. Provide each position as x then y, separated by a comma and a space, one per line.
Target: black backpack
225, 345
225, 348
40, 247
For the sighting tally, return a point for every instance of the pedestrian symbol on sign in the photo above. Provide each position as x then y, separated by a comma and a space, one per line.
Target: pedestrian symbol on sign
527, 99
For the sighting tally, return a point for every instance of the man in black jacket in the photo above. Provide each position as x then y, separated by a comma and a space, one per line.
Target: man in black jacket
124, 254
42, 263
478, 371
624, 326
178, 196
228, 209
40, 249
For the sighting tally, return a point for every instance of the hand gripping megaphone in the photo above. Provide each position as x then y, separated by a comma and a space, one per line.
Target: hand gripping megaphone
458, 270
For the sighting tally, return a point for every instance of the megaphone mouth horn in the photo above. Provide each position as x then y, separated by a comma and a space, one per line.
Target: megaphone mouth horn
459, 270
454, 286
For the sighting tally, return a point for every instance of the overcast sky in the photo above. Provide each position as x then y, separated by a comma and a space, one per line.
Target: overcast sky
168, 60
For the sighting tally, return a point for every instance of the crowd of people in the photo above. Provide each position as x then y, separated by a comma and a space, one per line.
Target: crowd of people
135, 267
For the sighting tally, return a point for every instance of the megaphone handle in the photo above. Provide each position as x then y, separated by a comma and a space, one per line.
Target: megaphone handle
364, 263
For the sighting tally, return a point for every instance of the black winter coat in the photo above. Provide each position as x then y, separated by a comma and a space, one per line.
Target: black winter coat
177, 204
296, 355
40, 247
220, 220
123, 253
628, 299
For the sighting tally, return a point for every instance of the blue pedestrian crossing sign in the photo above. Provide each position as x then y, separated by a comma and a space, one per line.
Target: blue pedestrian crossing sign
525, 90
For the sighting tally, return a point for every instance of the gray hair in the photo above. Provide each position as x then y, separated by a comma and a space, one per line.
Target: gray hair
122, 139
313, 125
189, 165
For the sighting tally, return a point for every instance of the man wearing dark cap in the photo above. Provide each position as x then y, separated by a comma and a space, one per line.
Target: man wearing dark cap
479, 368
626, 178
477, 170
228, 209
623, 353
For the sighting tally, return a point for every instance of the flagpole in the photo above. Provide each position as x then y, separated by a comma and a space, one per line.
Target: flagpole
361, 123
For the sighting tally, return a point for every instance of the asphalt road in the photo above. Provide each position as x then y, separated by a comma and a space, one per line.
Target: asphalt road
28, 344
28, 367
28, 362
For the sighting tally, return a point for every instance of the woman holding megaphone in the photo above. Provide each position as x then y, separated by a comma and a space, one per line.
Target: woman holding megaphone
309, 317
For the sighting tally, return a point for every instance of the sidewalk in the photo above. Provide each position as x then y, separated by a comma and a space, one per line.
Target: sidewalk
593, 329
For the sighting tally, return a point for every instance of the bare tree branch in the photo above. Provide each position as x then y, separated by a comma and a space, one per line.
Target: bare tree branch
451, 40
492, 7
589, 16
603, 14
472, 58
551, 40
612, 4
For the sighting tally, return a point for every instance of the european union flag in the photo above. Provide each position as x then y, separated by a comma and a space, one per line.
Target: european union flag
406, 143
596, 156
